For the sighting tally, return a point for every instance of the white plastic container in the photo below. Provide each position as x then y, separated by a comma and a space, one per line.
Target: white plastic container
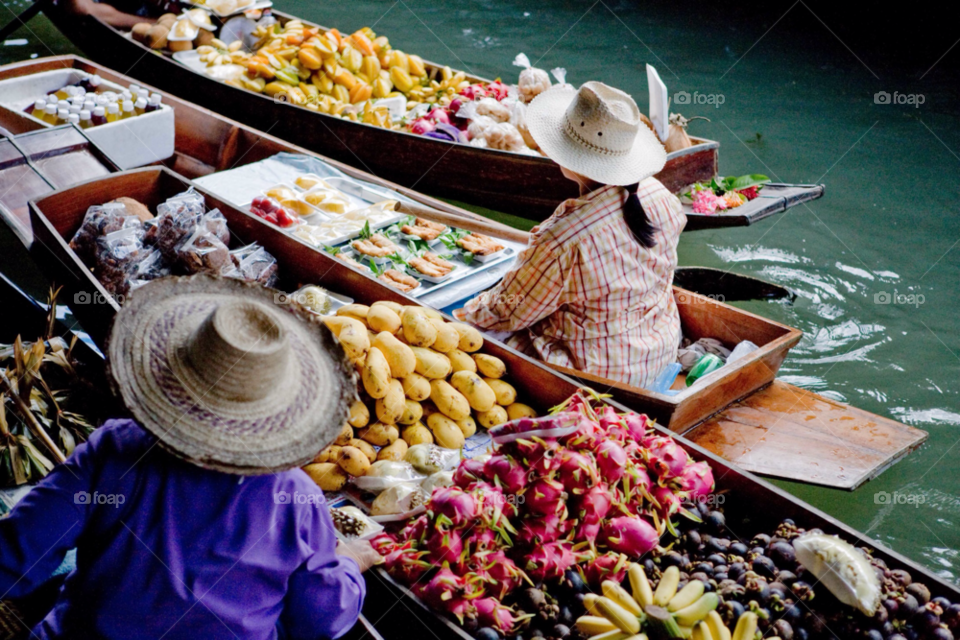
130, 143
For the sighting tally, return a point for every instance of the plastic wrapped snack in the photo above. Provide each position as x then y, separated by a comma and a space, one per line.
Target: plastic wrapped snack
202, 252
532, 81
99, 221
253, 263
404, 499
177, 219
117, 257
494, 109
504, 136
150, 267
477, 129
216, 224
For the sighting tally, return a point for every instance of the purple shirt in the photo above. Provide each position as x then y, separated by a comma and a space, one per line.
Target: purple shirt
167, 549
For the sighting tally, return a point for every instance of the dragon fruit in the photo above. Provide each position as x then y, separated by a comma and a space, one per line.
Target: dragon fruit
549, 561
384, 543
507, 471
636, 426
537, 531
697, 480
507, 576
544, 497
407, 564
497, 89
667, 502
546, 459
421, 126
468, 472
577, 472
416, 529
609, 417
445, 546
445, 586
481, 540
454, 503
611, 461
493, 504
609, 566
665, 457
638, 481
490, 613
594, 504
629, 535
586, 438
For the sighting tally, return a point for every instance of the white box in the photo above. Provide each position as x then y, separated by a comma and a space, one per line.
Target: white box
133, 142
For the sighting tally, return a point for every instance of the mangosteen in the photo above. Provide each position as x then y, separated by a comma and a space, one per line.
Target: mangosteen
908, 607
566, 616
802, 590
718, 576
692, 539
487, 633
928, 620
782, 554
786, 577
573, 581
784, 629
800, 633
942, 602
716, 558
536, 633
760, 540
897, 636
951, 615
715, 545
793, 614
699, 575
941, 633
901, 576
736, 569
561, 631
715, 522
704, 567
919, 591
738, 549
730, 611
650, 568
532, 599
764, 566
671, 559
873, 634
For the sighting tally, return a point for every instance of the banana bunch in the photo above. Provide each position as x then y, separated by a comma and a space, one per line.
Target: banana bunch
219, 53
660, 614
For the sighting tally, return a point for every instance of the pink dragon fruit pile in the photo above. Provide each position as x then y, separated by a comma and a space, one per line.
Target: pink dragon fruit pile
592, 500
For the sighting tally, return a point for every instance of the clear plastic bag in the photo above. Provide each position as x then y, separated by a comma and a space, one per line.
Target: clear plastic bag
216, 223
150, 267
399, 502
532, 81
555, 426
384, 474
202, 252
504, 136
118, 255
430, 459
493, 109
99, 221
177, 219
255, 264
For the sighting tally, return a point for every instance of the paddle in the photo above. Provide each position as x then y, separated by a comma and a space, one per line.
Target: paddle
23, 18
728, 287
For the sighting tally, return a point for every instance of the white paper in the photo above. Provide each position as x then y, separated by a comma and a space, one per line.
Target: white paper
659, 103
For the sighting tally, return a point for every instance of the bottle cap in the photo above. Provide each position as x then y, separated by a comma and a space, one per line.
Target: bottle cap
84, 114
51, 109
95, 80
155, 98
40, 104
113, 108
89, 105
62, 114
128, 105
141, 103
52, 98
63, 104
134, 88
103, 100
98, 111
126, 95
75, 108
73, 118
76, 99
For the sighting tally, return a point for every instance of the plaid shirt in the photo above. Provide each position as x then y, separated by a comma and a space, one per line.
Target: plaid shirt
586, 295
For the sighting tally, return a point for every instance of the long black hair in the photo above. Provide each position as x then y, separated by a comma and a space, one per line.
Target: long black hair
636, 218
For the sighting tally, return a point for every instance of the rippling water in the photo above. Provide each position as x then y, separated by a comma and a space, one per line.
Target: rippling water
874, 263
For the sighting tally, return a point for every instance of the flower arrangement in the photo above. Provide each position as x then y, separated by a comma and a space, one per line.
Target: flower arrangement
725, 193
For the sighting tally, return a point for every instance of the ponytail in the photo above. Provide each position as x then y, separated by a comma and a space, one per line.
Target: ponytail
636, 218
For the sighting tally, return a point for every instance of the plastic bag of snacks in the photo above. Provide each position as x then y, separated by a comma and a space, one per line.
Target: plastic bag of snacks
99, 221
177, 219
151, 267
532, 81
255, 264
202, 252
117, 257
216, 224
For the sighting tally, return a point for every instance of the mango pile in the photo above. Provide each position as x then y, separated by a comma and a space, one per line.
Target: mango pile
338, 75
422, 380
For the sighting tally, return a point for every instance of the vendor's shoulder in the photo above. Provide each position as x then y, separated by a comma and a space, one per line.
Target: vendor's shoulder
121, 436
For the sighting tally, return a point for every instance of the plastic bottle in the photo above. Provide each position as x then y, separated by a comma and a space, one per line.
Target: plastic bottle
99, 116
128, 111
125, 95
153, 104
708, 363
73, 118
134, 91
113, 112
141, 106
62, 115
94, 83
75, 109
50, 113
85, 122
89, 105
63, 104
38, 108
52, 98
61, 93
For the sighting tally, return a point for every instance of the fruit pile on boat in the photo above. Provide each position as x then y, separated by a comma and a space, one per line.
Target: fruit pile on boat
423, 381
590, 524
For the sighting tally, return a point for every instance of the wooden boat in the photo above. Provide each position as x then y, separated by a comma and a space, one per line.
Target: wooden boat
751, 504
528, 186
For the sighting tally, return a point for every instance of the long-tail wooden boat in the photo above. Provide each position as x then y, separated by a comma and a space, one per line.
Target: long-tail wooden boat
528, 186
751, 505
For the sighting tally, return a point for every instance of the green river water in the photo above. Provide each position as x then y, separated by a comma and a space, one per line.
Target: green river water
874, 263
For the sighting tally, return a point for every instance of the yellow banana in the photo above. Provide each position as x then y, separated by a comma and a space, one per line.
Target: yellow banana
686, 596
746, 627
616, 634
718, 630
589, 602
619, 595
642, 592
594, 625
667, 587
619, 616
694, 613
701, 632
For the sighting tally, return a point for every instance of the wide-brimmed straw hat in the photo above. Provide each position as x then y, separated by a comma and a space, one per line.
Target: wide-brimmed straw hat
228, 375
595, 131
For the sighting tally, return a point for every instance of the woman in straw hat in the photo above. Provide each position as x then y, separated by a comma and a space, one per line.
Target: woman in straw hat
593, 290
195, 521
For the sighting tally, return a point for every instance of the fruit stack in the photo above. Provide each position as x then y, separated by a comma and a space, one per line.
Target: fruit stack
423, 380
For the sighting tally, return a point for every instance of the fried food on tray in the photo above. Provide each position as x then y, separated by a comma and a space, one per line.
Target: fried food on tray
432, 265
353, 263
424, 229
376, 246
479, 244
399, 280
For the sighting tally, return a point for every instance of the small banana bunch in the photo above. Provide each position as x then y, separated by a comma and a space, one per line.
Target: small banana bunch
219, 53
441, 87
658, 615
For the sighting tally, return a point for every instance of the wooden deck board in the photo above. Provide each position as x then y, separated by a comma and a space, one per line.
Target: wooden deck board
787, 432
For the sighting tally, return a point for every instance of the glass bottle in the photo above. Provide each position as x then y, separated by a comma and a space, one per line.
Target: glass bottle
113, 112
99, 116
75, 109
85, 122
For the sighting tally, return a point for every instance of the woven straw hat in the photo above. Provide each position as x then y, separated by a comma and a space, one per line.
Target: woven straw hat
596, 132
228, 378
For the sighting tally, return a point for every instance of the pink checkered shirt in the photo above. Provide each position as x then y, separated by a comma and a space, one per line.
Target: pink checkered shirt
586, 295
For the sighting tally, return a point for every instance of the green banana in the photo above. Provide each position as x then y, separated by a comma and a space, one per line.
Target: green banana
694, 613
686, 596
